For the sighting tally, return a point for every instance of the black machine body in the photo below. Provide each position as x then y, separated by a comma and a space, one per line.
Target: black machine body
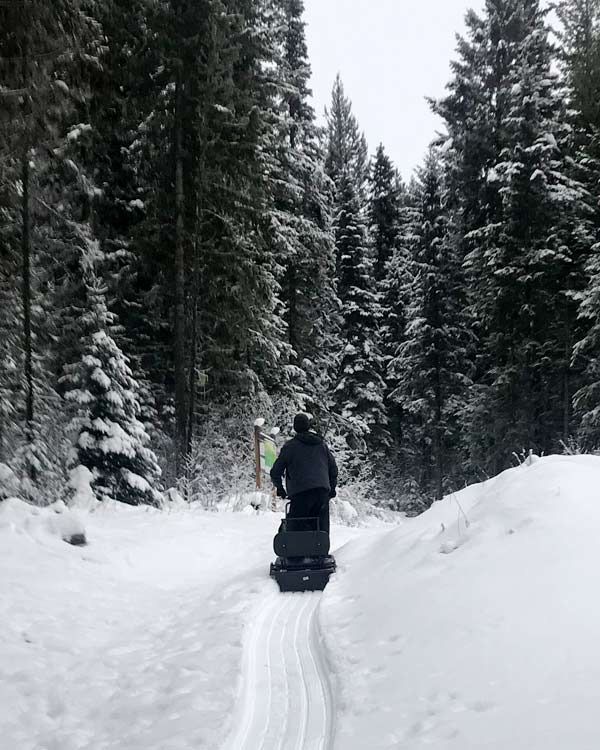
303, 561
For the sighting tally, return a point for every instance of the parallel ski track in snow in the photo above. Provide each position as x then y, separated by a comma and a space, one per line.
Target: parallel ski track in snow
287, 699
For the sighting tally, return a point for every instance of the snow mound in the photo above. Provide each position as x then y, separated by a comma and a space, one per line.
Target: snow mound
55, 521
475, 625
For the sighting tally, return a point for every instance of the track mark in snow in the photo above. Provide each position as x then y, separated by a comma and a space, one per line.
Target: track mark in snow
286, 701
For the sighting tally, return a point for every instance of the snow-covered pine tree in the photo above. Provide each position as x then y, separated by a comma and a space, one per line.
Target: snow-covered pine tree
539, 254
207, 269
346, 159
432, 369
580, 57
359, 394
386, 209
108, 143
385, 202
386, 212
44, 51
11, 401
360, 391
347, 150
522, 215
397, 292
302, 231
587, 398
110, 441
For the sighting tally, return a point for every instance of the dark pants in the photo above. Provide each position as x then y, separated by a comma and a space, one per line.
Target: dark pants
311, 504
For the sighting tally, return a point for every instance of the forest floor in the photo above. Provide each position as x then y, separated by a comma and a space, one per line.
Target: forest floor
474, 625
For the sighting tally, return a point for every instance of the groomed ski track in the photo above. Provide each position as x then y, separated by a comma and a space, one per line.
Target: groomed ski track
286, 701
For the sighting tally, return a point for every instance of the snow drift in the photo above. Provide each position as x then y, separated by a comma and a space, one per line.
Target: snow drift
476, 624
54, 521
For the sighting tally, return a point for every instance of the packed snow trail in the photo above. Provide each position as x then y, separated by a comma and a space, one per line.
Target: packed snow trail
286, 701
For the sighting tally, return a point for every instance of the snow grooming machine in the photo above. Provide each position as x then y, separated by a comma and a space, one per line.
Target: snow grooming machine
303, 561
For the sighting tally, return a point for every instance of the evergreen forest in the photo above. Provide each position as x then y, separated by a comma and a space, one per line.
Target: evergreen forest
186, 245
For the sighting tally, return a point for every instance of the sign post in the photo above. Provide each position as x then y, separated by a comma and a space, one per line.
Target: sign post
257, 433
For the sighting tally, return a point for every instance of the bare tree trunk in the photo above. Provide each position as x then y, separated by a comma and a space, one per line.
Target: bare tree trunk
438, 441
26, 297
192, 389
180, 375
567, 389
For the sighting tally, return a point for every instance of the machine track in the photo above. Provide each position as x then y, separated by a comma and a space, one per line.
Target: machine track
287, 700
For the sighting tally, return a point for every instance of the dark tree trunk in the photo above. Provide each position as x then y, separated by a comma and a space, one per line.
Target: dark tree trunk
438, 440
192, 388
26, 298
181, 413
566, 407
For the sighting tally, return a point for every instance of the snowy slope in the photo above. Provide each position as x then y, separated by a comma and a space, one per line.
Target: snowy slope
473, 626
476, 636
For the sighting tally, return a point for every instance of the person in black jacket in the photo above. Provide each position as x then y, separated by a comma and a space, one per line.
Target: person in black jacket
310, 474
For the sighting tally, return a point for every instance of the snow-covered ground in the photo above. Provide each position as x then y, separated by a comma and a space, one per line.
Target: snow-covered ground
476, 625
473, 626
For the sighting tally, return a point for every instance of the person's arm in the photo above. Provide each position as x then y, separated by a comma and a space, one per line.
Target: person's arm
333, 472
278, 470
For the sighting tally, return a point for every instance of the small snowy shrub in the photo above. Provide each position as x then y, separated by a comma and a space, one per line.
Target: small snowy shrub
9, 484
221, 463
110, 440
80, 486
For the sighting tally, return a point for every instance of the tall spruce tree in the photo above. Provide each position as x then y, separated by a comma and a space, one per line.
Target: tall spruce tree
360, 390
385, 202
580, 56
347, 151
206, 148
302, 231
522, 214
386, 209
44, 51
432, 369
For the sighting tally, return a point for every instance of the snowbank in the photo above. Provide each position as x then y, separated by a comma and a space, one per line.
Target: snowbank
55, 521
476, 624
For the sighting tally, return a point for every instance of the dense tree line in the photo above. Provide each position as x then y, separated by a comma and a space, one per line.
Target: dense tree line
183, 246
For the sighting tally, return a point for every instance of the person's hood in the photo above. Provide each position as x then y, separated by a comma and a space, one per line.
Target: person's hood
309, 438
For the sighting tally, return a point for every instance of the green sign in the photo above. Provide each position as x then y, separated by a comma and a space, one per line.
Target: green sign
268, 453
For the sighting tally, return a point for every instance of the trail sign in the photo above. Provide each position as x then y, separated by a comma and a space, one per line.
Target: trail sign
265, 451
268, 453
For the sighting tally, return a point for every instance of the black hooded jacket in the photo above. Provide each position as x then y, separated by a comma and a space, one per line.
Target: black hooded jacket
307, 464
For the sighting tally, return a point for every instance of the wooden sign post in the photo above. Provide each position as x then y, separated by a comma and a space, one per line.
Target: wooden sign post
257, 433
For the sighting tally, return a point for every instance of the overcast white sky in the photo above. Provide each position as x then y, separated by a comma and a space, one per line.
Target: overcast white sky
391, 54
